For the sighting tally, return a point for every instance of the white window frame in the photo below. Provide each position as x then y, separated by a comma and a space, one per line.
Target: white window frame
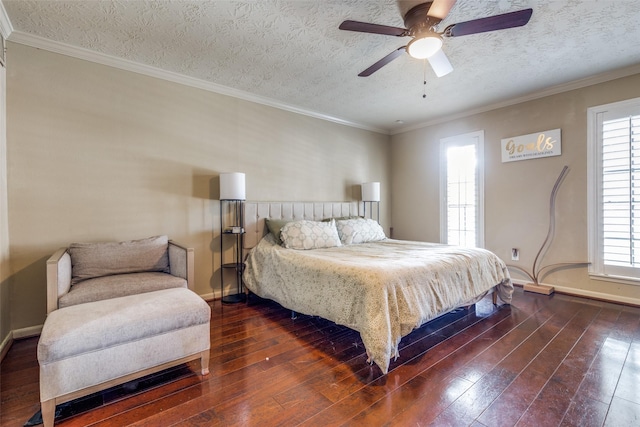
595, 117
3, 51
476, 138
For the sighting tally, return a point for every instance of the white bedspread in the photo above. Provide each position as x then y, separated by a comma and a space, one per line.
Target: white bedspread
383, 290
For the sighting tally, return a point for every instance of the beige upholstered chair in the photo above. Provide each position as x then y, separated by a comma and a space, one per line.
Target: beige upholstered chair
117, 312
113, 269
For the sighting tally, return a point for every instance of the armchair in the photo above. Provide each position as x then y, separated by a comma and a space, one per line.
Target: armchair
117, 312
110, 281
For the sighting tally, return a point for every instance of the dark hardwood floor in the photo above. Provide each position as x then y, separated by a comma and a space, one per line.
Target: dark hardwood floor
544, 361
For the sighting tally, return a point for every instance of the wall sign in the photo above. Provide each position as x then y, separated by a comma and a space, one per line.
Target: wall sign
532, 146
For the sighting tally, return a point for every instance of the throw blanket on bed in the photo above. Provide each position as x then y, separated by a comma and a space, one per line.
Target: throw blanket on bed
383, 290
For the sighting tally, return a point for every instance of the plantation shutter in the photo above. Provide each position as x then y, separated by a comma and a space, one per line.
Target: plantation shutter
620, 193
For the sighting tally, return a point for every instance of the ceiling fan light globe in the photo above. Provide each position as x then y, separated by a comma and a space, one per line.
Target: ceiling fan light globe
440, 63
424, 47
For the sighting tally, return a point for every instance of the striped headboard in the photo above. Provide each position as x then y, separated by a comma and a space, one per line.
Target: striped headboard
256, 212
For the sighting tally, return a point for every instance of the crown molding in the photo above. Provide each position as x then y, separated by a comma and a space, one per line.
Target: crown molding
88, 55
5, 24
553, 90
127, 65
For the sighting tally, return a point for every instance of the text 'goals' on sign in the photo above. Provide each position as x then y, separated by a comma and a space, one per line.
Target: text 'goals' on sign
532, 146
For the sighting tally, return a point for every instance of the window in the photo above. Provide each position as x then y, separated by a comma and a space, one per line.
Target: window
462, 190
614, 191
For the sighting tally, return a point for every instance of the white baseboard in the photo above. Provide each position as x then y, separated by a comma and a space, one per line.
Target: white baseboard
616, 299
598, 295
6, 345
210, 297
31, 331
215, 295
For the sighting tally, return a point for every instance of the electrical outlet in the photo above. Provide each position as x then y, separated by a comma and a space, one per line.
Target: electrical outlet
515, 254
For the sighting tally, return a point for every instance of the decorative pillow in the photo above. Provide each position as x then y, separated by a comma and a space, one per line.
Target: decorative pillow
90, 260
306, 234
275, 226
361, 230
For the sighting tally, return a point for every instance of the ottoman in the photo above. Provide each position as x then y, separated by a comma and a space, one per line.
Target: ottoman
89, 347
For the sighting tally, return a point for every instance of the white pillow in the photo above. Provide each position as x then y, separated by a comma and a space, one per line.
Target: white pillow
310, 235
360, 230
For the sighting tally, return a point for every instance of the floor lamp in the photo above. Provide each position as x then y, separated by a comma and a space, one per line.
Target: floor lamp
232, 197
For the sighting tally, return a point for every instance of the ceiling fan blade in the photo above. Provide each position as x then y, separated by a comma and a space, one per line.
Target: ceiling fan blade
384, 61
440, 63
364, 27
440, 8
491, 23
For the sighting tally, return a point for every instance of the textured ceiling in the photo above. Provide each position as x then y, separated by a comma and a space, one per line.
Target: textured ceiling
292, 53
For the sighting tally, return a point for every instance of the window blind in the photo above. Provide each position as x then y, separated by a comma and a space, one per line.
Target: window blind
620, 194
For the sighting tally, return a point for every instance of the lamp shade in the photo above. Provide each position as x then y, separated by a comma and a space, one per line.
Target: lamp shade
232, 186
371, 192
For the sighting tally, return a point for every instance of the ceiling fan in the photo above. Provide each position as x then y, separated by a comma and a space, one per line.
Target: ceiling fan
426, 43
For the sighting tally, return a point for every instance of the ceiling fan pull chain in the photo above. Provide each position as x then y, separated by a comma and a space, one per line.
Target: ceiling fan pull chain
424, 79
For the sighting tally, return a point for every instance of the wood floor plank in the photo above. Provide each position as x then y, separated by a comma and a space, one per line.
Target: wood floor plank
434, 381
486, 390
602, 377
622, 413
558, 348
459, 362
439, 349
122, 403
584, 412
628, 387
545, 360
508, 408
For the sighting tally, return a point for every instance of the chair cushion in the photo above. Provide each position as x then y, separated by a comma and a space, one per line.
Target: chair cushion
119, 285
99, 325
90, 260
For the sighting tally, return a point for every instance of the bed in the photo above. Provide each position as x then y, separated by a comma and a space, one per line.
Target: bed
382, 288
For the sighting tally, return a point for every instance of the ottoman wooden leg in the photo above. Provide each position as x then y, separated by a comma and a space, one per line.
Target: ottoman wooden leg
204, 362
48, 411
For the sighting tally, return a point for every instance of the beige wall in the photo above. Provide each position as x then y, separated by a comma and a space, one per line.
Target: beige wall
516, 193
97, 153
5, 319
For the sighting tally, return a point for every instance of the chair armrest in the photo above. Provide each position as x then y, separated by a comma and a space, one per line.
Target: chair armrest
181, 263
58, 277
